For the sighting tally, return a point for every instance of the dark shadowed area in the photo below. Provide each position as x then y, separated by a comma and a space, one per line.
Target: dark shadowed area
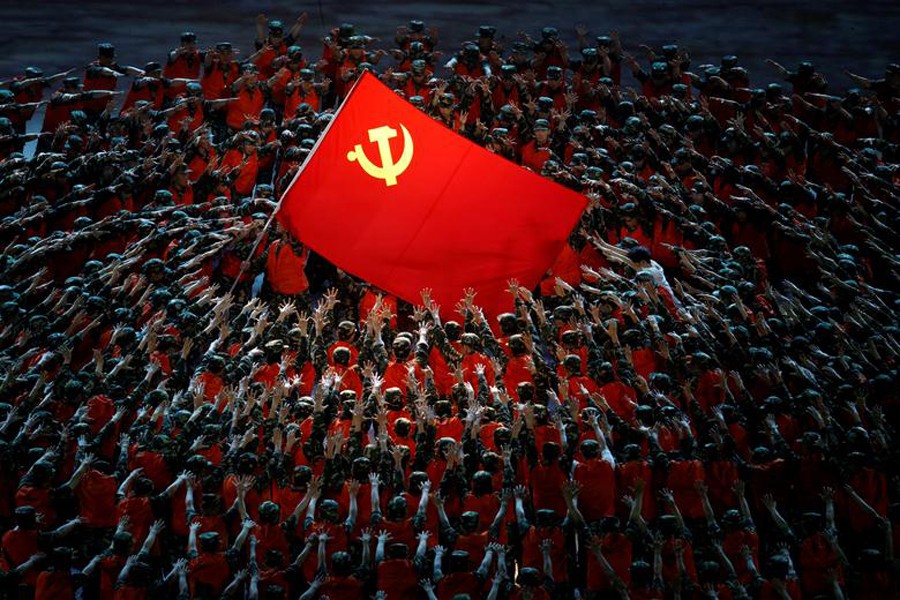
859, 36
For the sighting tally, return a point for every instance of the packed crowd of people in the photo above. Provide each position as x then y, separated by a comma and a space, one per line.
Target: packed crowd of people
699, 400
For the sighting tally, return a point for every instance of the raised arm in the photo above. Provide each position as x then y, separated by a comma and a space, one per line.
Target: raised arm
485, 565
428, 587
246, 527
437, 573
80, 471
311, 492
422, 546
547, 562
597, 550
366, 541
235, 585
570, 490
494, 592
501, 512
192, 538
741, 492
521, 518
446, 527
321, 555
778, 67
375, 496
353, 513
305, 552
152, 535
770, 504
126, 484
634, 514
669, 499
423, 503
313, 590
703, 492
381, 541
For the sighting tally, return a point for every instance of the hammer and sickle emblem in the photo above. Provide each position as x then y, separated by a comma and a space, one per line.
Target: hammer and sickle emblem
389, 170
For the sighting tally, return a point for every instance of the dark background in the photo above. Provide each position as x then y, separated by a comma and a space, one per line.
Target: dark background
860, 36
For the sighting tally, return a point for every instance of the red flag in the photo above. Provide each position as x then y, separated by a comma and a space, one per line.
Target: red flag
397, 199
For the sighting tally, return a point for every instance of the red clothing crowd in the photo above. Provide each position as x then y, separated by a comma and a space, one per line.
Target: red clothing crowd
697, 401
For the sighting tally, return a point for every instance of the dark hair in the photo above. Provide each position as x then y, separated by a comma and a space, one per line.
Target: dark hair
639, 254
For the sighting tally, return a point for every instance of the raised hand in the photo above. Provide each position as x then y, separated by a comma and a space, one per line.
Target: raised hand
157, 526
667, 496
571, 489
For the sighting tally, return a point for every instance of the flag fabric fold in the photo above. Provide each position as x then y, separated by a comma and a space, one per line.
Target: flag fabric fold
394, 197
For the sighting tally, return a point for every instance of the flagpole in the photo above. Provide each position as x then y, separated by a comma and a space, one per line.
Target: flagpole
309, 156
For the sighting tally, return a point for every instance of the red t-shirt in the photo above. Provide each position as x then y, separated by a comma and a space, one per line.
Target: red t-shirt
209, 571
598, 489
546, 488
54, 585
96, 495
284, 269
618, 552
628, 474
249, 104
532, 556
18, 546
342, 588
682, 475
399, 578
460, 583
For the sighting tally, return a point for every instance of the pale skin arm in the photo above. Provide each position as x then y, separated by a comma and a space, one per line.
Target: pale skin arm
700, 486
486, 561
611, 574
381, 540
323, 563
366, 540
422, 547
313, 588
235, 584
634, 514
192, 537
157, 526
522, 519
501, 512
547, 562
570, 492
495, 587
423, 501
79, 472
739, 489
429, 589
247, 526
353, 513
306, 500
669, 499
772, 507
437, 572
375, 497
123, 489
